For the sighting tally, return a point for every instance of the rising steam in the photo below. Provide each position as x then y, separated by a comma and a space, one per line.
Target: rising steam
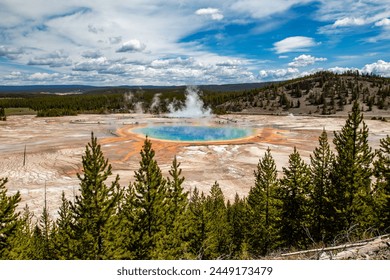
193, 107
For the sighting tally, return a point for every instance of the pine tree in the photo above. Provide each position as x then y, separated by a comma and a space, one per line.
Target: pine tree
63, 236
95, 205
195, 223
351, 177
150, 203
22, 246
321, 170
264, 207
217, 243
295, 191
382, 187
238, 225
8, 218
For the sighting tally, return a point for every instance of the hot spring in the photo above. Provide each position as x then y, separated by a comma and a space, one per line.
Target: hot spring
195, 133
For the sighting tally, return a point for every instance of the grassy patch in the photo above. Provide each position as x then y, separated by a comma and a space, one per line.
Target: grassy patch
19, 111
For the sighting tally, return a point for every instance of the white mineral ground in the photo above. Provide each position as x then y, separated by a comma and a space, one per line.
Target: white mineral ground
54, 147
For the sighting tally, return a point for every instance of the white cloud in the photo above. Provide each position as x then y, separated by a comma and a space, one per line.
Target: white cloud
279, 74
340, 70
305, 60
10, 52
349, 21
43, 76
383, 22
132, 46
214, 13
56, 59
380, 67
293, 44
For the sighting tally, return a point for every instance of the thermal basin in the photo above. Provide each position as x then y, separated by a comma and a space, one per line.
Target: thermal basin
195, 133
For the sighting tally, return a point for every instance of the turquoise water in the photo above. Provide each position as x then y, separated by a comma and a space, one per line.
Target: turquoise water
194, 133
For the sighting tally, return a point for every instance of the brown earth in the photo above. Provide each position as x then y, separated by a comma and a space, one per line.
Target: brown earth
54, 147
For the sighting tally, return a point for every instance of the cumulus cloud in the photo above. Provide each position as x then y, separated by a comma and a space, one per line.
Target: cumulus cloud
93, 64
215, 14
132, 46
293, 44
91, 54
279, 74
43, 76
380, 67
349, 21
10, 52
305, 60
164, 63
55, 59
383, 22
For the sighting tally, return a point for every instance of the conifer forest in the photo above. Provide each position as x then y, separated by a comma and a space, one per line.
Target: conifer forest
342, 194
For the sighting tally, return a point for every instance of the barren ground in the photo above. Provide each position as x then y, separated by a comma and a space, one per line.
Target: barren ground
54, 147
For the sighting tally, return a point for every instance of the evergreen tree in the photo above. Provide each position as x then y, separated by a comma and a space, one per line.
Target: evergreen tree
217, 243
95, 205
63, 236
8, 218
321, 170
195, 223
238, 225
150, 203
22, 246
295, 191
172, 242
351, 179
264, 208
382, 187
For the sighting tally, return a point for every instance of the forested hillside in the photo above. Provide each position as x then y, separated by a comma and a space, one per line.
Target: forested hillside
323, 93
341, 195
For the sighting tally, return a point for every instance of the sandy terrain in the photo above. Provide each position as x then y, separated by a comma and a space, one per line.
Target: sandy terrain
54, 147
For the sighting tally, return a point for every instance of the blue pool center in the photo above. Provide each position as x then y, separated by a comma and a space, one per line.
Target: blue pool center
194, 133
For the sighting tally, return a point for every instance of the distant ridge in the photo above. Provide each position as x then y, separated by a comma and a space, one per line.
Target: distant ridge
86, 88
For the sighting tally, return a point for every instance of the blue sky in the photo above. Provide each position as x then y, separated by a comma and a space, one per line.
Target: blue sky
179, 42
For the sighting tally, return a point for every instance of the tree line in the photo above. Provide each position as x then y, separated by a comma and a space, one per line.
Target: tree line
339, 196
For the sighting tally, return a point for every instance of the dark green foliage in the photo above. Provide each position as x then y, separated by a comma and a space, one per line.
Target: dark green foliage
196, 224
351, 193
95, 205
321, 171
296, 205
8, 218
173, 239
264, 208
238, 223
149, 203
63, 234
218, 242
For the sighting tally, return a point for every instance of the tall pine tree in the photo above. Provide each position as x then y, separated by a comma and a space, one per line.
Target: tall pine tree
149, 203
217, 244
173, 240
264, 208
296, 217
96, 204
321, 171
351, 179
